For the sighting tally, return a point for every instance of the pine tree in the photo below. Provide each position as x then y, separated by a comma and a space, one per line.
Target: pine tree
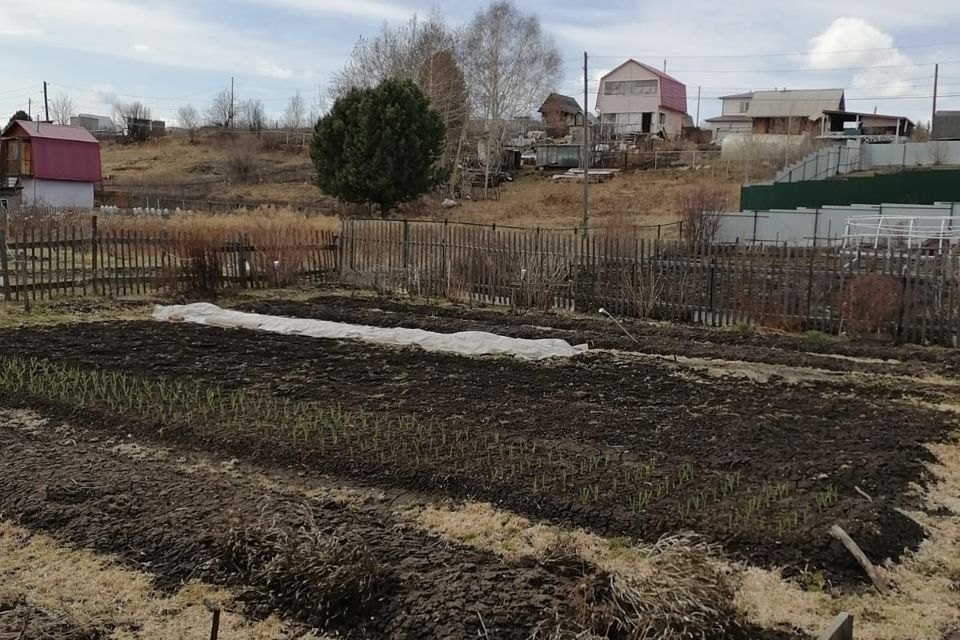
379, 145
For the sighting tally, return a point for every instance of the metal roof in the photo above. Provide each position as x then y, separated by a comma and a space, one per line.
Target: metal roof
51, 131
738, 96
730, 119
795, 103
867, 114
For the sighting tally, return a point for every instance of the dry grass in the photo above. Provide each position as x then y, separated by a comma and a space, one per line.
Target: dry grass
324, 577
639, 198
96, 594
670, 590
532, 200
174, 159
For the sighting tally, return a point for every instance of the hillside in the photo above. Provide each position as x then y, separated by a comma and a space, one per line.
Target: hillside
278, 175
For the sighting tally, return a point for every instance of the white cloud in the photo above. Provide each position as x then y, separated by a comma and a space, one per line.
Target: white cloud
143, 48
854, 42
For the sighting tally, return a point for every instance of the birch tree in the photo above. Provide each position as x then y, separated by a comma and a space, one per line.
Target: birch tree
62, 108
509, 66
296, 113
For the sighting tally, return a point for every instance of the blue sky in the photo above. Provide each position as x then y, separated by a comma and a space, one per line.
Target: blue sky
175, 52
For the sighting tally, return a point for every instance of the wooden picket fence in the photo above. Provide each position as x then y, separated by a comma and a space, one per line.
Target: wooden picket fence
905, 294
47, 259
895, 292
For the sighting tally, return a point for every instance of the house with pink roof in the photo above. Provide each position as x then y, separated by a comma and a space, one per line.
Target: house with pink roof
48, 165
635, 98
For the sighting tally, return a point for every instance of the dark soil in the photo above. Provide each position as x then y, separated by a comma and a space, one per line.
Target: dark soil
809, 437
600, 332
177, 526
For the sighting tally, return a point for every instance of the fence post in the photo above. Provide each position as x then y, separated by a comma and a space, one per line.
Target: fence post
93, 259
4, 265
406, 246
22, 270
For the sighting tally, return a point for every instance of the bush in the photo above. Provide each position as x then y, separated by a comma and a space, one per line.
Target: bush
870, 303
242, 163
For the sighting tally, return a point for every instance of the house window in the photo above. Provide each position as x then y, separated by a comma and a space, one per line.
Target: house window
630, 87
663, 119
744, 106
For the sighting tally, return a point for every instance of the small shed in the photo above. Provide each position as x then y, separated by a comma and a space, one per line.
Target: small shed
49, 165
560, 113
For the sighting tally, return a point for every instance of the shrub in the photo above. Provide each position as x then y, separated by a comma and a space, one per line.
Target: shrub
870, 303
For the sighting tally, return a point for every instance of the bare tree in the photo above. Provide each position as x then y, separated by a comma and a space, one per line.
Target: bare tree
396, 52
700, 209
509, 65
134, 119
62, 108
318, 107
424, 50
223, 109
189, 119
253, 115
296, 113
441, 80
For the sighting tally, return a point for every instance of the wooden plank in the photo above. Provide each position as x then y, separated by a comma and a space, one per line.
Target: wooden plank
840, 628
4, 265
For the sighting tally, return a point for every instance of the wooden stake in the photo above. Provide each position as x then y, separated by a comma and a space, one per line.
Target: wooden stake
875, 577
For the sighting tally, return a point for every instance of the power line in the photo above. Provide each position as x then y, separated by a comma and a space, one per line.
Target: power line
779, 54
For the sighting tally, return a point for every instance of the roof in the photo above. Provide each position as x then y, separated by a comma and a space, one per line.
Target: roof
51, 131
794, 103
652, 70
738, 96
730, 119
566, 104
864, 114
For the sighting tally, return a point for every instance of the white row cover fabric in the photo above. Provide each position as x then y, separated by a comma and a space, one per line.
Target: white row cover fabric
466, 343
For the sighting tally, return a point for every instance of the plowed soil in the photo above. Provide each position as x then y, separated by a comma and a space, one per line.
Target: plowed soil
809, 437
178, 526
601, 333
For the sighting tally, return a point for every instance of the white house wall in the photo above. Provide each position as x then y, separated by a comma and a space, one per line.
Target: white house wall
57, 194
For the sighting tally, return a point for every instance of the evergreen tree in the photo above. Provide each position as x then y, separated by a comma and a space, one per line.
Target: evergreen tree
19, 115
379, 145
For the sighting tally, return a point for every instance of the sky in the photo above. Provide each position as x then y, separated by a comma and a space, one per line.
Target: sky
170, 53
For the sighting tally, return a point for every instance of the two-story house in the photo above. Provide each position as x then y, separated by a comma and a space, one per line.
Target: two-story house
637, 98
734, 117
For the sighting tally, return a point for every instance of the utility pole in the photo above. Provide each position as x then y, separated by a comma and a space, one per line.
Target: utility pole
230, 115
30, 107
936, 76
46, 105
664, 65
585, 160
698, 105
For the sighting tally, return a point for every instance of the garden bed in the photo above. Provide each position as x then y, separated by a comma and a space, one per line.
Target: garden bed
619, 445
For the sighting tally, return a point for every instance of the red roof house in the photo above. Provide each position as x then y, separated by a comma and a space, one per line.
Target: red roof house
49, 165
637, 98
